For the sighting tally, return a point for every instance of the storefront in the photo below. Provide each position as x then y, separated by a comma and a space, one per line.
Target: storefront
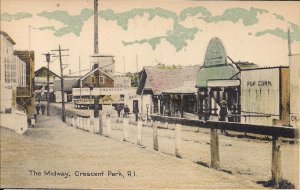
217, 81
265, 96
180, 102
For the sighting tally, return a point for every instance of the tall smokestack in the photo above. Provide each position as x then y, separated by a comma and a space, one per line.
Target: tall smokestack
96, 51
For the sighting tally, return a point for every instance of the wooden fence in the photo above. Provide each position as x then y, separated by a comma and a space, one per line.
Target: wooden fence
102, 126
275, 131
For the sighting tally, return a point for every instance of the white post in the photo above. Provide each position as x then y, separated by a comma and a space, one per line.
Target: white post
96, 124
166, 125
139, 132
125, 128
78, 122
81, 123
88, 125
104, 124
73, 121
178, 152
84, 123
155, 139
108, 126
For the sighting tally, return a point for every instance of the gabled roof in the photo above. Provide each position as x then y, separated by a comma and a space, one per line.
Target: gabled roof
43, 71
223, 72
8, 37
93, 71
160, 78
69, 83
24, 55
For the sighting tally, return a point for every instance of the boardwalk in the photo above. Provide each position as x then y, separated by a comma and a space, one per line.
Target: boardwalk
53, 146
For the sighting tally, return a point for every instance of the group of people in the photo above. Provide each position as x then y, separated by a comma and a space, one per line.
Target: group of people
124, 112
39, 107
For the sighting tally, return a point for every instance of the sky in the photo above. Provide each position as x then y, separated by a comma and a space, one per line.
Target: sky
145, 33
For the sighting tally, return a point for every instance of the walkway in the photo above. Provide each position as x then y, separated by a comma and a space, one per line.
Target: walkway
53, 146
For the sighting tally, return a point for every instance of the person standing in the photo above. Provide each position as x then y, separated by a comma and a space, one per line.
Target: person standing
38, 107
119, 110
43, 109
126, 111
135, 111
223, 113
32, 122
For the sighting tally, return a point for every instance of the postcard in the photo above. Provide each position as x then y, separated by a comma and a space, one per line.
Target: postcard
127, 94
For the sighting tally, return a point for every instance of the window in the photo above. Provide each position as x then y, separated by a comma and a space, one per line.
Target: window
92, 79
101, 79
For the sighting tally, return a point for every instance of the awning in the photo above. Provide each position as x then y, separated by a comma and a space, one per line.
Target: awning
223, 83
181, 90
225, 72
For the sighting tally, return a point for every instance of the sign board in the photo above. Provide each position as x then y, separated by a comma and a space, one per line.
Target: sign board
260, 92
215, 53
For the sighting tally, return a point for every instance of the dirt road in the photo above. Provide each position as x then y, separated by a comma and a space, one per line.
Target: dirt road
244, 157
58, 156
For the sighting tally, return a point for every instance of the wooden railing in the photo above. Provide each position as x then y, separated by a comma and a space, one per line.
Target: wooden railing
275, 131
102, 126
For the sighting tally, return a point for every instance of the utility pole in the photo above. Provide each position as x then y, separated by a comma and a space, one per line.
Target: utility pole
124, 72
137, 70
289, 43
96, 50
63, 116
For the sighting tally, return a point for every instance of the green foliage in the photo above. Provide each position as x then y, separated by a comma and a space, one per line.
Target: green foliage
178, 36
193, 11
249, 17
18, 16
72, 24
279, 17
295, 32
134, 78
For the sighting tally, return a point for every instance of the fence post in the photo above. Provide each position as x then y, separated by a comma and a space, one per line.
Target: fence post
178, 141
73, 121
99, 129
139, 132
77, 121
166, 125
214, 148
84, 124
96, 124
125, 126
88, 125
155, 139
276, 161
79, 125
104, 125
108, 126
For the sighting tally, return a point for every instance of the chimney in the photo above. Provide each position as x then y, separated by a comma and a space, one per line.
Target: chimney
96, 51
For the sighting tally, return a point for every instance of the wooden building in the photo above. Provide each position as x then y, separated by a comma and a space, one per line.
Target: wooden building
25, 95
217, 80
158, 79
97, 78
40, 84
265, 96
